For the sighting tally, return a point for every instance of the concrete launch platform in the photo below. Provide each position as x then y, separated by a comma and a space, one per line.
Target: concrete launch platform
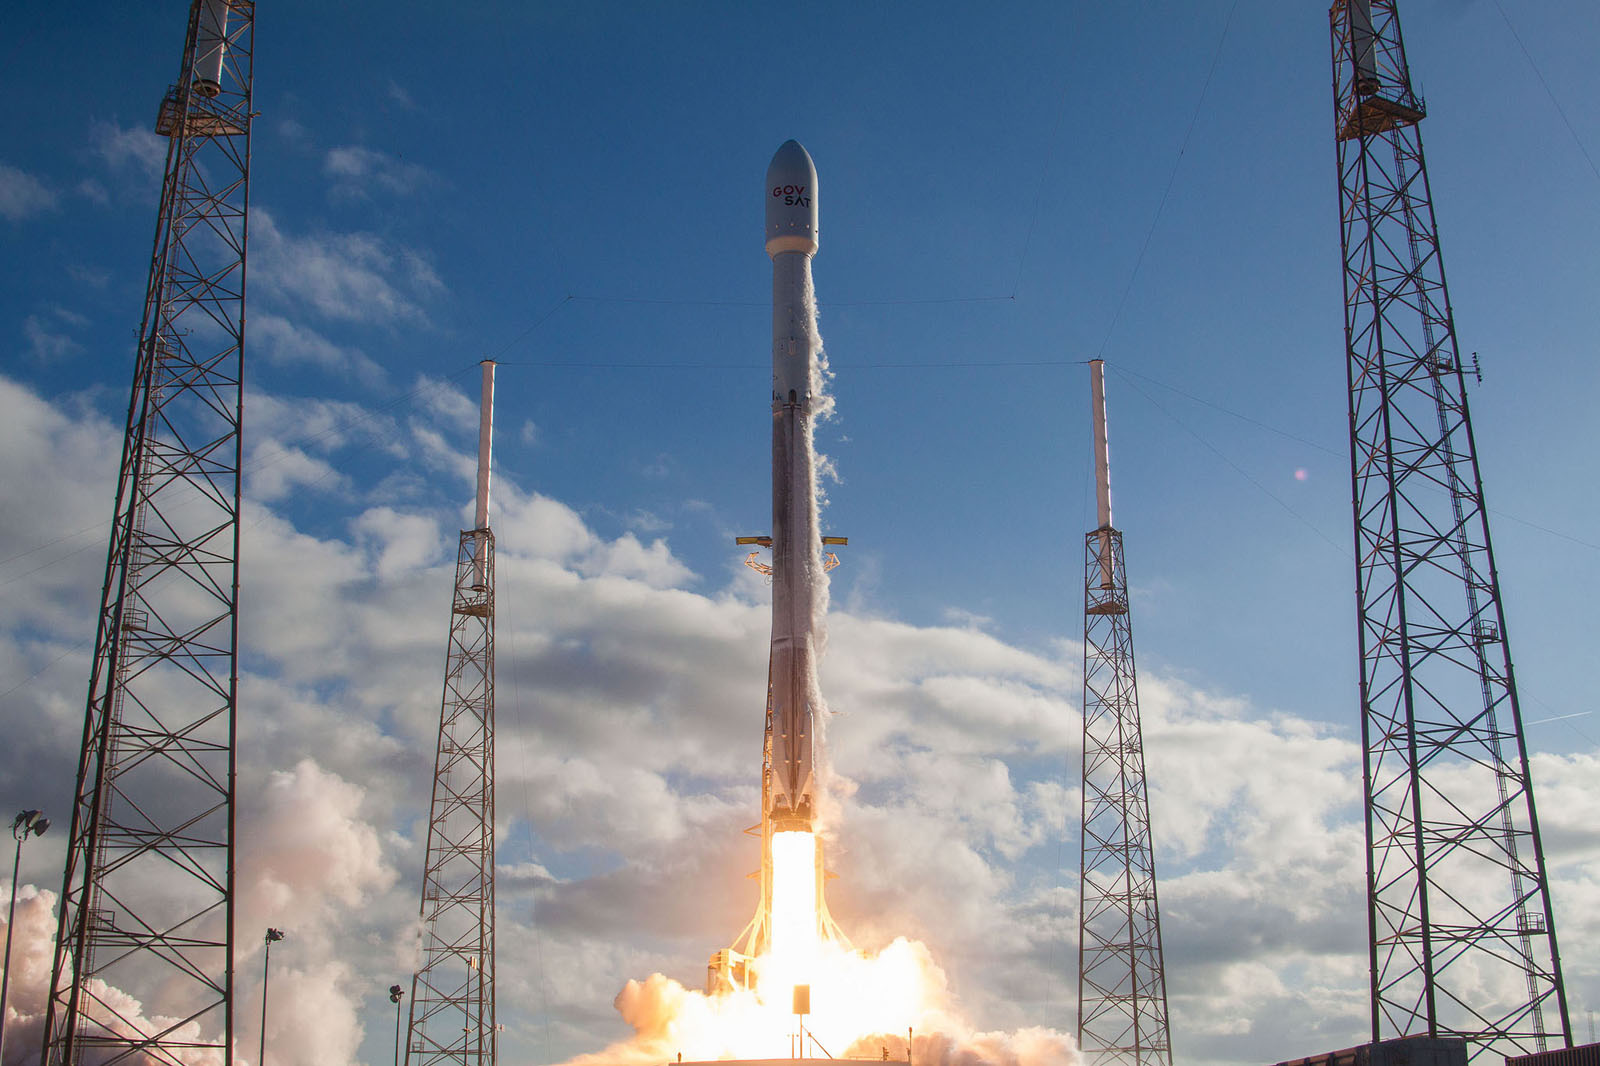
776, 1062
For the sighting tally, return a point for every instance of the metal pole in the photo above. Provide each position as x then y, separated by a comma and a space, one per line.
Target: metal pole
25, 824
466, 1022
396, 994
266, 973
11, 922
1102, 466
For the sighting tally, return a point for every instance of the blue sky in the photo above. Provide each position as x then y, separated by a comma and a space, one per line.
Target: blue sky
575, 190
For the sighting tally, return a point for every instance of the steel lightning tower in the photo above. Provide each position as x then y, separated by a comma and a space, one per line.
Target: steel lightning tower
1462, 937
452, 995
147, 896
1122, 984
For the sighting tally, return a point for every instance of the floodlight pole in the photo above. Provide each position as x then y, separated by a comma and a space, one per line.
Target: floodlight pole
396, 994
27, 823
273, 935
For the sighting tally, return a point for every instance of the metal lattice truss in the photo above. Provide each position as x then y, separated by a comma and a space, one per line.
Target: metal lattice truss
452, 995
143, 966
1122, 986
757, 935
1463, 941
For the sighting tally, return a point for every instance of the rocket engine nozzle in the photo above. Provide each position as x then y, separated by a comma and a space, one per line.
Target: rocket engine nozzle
799, 819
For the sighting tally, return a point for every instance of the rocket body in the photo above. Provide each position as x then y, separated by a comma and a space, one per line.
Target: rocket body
791, 229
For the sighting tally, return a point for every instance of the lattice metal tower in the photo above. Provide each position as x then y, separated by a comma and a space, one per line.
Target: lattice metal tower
1122, 984
147, 896
1462, 937
452, 994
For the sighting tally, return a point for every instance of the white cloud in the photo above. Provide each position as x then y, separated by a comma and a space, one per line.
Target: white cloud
349, 277
960, 616
448, 404
97, 279
399, 542
288, 344
357, 169
399, 95
136, 145
45, 342
646, 522
629, 718
324, 425
309, 862
90, 189
272, 472
22, 195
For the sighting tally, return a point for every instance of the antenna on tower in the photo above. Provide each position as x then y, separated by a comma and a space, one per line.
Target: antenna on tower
453, 993
1449, 799
1122, 984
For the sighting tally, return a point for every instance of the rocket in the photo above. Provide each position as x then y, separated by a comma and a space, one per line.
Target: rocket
797, 561
789, 764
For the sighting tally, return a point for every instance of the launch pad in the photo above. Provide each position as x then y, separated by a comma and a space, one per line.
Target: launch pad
784, 1061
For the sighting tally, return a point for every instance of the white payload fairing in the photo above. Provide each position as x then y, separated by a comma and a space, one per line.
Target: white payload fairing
791, 228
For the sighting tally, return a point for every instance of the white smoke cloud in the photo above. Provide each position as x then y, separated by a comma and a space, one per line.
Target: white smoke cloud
903, 982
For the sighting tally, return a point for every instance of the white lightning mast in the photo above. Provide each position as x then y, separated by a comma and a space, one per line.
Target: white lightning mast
453, 994
1122, 984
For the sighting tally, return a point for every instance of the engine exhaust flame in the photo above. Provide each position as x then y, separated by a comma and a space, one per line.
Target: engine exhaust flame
796, 936
861, 1007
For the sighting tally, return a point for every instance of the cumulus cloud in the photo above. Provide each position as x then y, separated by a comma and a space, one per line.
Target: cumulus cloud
273, 471
630, 692
22, 195
324, 426
307, 860
399, 542
289, 344
29, 989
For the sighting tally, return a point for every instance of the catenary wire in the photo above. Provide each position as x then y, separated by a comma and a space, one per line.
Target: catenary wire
1172, 178
767, 304
1565, 121
1335, 545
